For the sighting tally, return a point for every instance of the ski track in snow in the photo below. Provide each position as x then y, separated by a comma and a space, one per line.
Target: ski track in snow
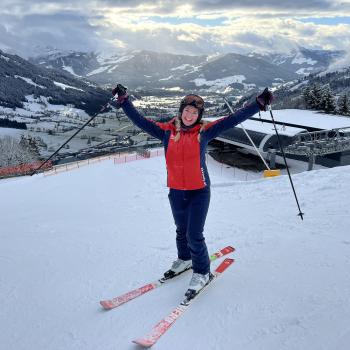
69, 240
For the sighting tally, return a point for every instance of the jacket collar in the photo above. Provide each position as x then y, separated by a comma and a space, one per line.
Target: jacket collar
194, 128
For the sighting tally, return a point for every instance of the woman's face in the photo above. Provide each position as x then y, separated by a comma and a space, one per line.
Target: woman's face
189, 115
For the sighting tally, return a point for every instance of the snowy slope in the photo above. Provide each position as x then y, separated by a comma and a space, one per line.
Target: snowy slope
71, 239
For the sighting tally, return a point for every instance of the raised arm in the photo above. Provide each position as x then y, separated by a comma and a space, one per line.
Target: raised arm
147, 125
215, 128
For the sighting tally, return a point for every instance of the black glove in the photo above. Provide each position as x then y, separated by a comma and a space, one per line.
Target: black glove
119, 90
264, 99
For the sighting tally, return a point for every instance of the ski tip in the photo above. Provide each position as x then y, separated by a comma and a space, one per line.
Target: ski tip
145, 343
224, 251
106, 304
228, 261
224, 265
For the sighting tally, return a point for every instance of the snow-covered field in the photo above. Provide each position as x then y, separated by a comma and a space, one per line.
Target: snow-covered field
11, 132
36, 106
311, 118
298, 117
69, 240
220, 83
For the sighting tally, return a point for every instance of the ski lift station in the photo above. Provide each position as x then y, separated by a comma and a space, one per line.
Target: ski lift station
305, 135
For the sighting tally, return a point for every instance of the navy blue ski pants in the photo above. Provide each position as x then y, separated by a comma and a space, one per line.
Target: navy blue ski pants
190, 210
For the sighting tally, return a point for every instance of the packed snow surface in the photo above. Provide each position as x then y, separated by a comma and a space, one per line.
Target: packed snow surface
37, 105
299, 117
220, 83
4, 58
182, 67
98, 70
71, 239
65, 86
30, 81
310, 118
70, 70
300, 59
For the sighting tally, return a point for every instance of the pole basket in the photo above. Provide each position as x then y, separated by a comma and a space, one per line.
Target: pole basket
272, 173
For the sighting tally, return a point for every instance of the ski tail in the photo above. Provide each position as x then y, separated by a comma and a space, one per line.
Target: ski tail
124, 298
161, 328
227, 250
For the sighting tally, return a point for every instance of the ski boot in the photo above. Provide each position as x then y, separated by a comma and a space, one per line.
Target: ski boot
197, 283
179, 266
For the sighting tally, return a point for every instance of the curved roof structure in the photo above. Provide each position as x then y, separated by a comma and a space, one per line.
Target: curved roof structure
289, 123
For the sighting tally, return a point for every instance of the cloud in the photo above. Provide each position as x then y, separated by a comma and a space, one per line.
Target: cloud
175, 7
341, 63
65, 30
197, 27
317, 5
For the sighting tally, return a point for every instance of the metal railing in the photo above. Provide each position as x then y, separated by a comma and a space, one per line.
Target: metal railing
320, 142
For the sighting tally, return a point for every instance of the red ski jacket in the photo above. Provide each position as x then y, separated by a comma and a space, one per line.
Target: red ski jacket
185, 158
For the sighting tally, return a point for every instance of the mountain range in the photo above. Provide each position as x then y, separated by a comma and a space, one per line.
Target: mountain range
152, 71
291, 94
21, 80
79, 79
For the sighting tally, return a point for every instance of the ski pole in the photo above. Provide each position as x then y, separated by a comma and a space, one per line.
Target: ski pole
249, 138
285, 162
76, 133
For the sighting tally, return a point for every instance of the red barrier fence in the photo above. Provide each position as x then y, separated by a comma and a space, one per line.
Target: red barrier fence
26, 169
125, 158
23, 169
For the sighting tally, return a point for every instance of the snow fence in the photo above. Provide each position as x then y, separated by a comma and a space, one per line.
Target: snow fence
118, 158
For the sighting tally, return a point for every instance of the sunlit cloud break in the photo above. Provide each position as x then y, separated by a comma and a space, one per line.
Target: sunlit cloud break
197, 27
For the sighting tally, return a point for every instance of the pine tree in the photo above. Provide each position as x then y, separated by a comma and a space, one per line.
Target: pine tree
30, 145
33, 146
307, 97
343, 105
315, 97
327, 101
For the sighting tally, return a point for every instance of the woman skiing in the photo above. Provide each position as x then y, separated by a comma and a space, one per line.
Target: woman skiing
185, 140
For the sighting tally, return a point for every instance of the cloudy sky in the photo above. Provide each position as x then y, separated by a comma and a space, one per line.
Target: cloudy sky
187, 27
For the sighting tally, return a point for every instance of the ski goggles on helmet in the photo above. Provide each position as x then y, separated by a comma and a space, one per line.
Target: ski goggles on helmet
193, 100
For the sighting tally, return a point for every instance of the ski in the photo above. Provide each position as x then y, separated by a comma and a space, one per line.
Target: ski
122, 299
160, 328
